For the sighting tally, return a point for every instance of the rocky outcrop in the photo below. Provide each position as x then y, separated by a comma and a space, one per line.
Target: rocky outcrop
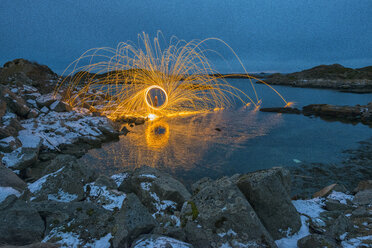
270, 200
219, 213
327, 76
20, 223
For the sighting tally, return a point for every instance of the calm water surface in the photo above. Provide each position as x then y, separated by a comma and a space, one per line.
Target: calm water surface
237, 140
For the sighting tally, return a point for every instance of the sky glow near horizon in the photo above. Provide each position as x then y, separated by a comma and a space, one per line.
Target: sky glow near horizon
270, 36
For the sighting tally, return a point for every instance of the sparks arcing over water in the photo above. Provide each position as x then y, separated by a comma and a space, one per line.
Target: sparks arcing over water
147, 80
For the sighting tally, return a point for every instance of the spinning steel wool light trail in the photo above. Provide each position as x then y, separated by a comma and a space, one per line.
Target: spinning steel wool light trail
149, 81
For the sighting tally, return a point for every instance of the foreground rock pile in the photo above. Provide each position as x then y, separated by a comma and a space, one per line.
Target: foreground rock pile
72, 206
36, 125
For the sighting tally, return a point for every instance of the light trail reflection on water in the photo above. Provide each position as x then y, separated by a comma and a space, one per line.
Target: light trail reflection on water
189, 147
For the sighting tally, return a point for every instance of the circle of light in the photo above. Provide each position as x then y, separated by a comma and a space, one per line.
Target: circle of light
153, 140
165, 93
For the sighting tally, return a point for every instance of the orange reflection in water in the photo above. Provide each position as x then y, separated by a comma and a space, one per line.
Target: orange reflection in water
183, 142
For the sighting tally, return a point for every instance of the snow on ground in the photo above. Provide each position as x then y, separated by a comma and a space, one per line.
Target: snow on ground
356, 242
7, 191
312, 208
72, 240
119, 178
108, 199
28, 139
158, 242
340, 197
63, 128
62, 196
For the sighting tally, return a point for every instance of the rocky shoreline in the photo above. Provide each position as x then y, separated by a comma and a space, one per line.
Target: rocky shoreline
335, 77
48, 198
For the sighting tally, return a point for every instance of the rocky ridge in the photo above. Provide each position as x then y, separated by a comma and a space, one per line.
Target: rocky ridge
329, 77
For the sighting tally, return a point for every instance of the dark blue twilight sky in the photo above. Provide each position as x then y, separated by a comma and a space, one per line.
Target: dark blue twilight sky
268, 35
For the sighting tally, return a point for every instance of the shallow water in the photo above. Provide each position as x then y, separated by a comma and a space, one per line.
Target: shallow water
238, 140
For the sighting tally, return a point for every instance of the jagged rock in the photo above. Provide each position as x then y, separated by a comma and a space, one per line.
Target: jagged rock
22, 72
106, 181
156, 190
20, 224
9, 179
10, 128
47, 99
328, 190
334, 205
363, 185
341, 225
9, 144
132, 221
363, 197
2, 108
14, 103
59, 106
316, 240
269, 198
65, 185
219, 213
83, 221
153, 240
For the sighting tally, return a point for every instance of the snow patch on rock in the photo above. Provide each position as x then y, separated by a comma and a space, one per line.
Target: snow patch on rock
7, 191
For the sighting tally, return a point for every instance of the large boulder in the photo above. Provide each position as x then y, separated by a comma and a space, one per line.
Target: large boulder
132, 221
156, 190
9, 179
20, 224
59, 106
64, 185
269, 198
219, 214
316, 240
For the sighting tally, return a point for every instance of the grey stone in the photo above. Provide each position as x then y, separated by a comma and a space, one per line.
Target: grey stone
21, 158
47, 99
59, 106
333, 205
132, 221
316, 240
20, 224
269, 198
363, 197
363, 185
9, 179
341, 225
103, 180
9, 144
224, 216
15, 103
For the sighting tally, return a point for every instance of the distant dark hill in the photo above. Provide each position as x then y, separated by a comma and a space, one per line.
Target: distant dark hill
333, 76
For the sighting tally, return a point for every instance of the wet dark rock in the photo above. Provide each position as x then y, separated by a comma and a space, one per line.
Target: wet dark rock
219, 213
20, 224
9, 179
333, 205
286, 110
132, 221
269, 198
316, 240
